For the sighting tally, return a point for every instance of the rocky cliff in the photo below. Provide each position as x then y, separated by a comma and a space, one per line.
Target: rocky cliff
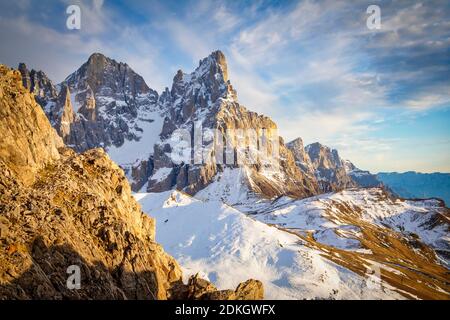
61, 210
223, 134
302, 159
28, 142
329, 168
322, 164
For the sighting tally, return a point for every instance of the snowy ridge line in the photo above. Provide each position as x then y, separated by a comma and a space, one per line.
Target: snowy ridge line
224, 242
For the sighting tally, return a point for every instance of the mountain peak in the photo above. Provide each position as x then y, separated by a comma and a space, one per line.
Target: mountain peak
315, 147
100, 71
37, 83
214, 60
219, 57
297, 142
97, 57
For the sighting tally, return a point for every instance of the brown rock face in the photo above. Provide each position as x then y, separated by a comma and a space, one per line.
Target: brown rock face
109, 99
60, 210
329, 168
80, 212
302, 159
105, 103
28, 142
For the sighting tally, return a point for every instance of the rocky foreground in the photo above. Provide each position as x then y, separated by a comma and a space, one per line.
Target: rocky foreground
59, 208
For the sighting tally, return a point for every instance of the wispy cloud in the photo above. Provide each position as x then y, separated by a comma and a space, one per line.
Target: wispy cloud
311, 65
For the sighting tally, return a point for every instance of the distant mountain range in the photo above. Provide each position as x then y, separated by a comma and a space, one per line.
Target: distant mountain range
418, 185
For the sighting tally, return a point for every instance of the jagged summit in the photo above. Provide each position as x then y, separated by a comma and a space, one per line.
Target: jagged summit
205, 98
38, 83
325, 164
209, 81
217, 64
301, 157
106, 104
97, 56
325, 155
102, 73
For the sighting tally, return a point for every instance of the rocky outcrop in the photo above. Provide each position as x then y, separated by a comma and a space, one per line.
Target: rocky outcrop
301, 157
200, 289
329, 168
80, 212
39, 84
61, 211
332, 173
223, 134
28, 142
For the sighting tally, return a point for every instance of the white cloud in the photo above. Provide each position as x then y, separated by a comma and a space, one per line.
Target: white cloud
428, 100
225, 19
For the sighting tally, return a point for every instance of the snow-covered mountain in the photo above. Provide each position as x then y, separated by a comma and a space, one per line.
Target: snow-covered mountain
106, 104
204, 105
329, 168
102, 104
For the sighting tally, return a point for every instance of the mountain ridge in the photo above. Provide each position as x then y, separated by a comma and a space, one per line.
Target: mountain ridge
205, 96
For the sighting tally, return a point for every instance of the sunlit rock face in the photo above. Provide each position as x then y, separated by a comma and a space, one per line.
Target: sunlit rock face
60, 211
329, 168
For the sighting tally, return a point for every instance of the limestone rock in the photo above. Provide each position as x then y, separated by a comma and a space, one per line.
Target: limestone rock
38, 84
61, 211
329, 168
108, 97
28, 142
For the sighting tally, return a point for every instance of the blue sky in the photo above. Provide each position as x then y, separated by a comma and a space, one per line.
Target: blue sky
381, 97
